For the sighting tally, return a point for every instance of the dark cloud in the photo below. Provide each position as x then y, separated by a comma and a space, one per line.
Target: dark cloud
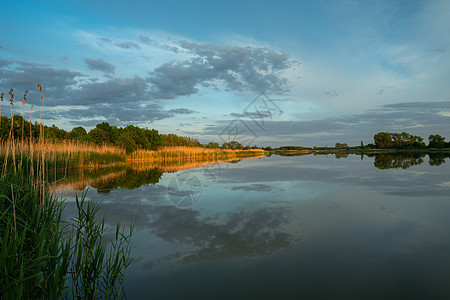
252, 115
128, 45
119, 115
418, 118
5, 62
148, 40
56, 82
239, 234
126, 92
182, 111
225, 68
237, 68
99, 64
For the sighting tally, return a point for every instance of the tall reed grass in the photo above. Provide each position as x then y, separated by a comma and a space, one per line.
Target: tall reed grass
41, 255
180, 152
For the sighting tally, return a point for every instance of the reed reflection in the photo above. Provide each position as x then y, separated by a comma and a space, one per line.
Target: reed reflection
130, 176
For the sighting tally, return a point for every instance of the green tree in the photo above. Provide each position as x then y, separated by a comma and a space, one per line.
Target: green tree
212, 145
436, 141
99, 136
112, 131
341, 146
138, 136
154, 139
126, 140
78, 132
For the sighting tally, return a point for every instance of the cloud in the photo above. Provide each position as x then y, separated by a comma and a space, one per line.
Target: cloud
239, 234
99, 64
56, 82
128, 45
182, 111
192, 66
5, 62
230, 68
147, 40
418, 118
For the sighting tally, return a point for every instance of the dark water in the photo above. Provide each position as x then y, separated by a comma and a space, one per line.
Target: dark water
309, 227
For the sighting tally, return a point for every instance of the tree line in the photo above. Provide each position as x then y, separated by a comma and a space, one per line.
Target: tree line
130, 137
404, 140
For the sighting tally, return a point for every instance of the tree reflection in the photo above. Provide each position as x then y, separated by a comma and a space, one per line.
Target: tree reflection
131, 179
437, 159
398, 160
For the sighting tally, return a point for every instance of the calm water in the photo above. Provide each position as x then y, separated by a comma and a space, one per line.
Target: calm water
311, 227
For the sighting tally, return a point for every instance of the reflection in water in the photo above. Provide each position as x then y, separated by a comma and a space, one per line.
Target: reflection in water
237, 234
437, 159
396, 160
407, 159
131, 176
281, 227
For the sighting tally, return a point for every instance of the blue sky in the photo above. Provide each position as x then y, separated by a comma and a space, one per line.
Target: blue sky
331, 71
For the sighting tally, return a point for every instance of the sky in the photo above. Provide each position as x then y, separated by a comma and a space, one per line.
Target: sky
266, 73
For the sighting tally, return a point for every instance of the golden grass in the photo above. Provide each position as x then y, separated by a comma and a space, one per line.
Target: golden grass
66, 153
180, 152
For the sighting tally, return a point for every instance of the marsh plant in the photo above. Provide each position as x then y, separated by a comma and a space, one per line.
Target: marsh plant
43, 256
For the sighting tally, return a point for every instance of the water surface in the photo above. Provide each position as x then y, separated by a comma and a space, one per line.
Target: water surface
312, 227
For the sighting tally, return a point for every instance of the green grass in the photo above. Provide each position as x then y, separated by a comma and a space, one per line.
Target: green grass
45, 257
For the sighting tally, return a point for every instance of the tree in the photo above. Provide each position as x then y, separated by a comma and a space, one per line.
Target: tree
383, 140
77, 132
233, 145
341, 146
212, 145
436, 141
112, 131
138, 136
402, 140
153, 138
99, 136
126, 140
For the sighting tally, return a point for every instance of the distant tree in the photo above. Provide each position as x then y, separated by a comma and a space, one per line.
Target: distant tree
154, 139
436, 141
402, 140
341, 146
126, 140
233, 145
138, 136
77, 132
212, 145
383, 140
99, 136
112, 132
54, 132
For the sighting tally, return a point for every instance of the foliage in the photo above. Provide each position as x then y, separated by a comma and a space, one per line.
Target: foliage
170, 140
341, 146
233, 145
387, 140
44, 257
212, 145
126, 141
436, 141
396, 161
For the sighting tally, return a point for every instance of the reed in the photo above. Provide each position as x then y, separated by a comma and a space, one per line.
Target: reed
183, 153
41, 255
66, 154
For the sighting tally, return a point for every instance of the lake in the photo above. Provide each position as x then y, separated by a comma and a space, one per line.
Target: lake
284, 227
